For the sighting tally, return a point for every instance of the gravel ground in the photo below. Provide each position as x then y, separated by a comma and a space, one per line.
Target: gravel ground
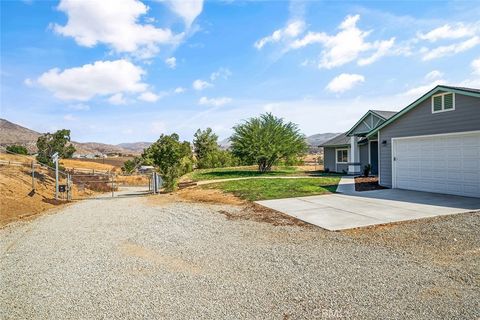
130, 258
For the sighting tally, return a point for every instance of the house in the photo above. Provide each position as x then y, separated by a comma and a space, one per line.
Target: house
431, 145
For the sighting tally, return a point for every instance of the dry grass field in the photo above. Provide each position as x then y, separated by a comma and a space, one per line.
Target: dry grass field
18, 201
82, 164
116, 162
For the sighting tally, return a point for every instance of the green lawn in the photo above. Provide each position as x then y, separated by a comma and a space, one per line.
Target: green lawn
244, 172
264, 189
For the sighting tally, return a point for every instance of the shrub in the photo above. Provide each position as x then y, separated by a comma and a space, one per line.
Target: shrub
366, 170
17, 149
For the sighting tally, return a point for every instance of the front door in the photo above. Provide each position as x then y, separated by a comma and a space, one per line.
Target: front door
374, 157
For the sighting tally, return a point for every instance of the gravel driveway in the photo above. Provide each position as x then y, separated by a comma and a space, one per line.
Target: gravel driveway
130, 258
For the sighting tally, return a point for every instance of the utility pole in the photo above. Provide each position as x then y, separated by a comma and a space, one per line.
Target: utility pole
55, 159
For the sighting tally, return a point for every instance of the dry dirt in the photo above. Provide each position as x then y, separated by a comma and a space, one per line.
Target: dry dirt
249, 211
367, 184
18, 201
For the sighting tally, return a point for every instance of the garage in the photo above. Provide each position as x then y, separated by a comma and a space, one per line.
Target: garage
443, 163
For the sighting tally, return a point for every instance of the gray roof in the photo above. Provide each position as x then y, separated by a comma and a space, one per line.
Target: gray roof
385, 114
339, 140
461, 88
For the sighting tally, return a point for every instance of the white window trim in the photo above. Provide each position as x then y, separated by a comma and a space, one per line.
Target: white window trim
443, 102
336, 155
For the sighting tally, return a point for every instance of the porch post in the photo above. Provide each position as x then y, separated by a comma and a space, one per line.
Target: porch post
354, 163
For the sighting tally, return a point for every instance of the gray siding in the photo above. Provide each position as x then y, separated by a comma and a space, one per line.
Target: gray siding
329, 160
363, 156
421, 121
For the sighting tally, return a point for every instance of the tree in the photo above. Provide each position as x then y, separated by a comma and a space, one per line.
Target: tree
50, 143
267, 139
208, 152
172, 158
204, 144
129, 166
17, 149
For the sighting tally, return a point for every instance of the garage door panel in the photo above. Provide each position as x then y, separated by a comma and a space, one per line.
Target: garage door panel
444, 163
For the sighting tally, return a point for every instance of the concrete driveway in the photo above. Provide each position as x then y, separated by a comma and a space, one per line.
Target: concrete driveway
359, 209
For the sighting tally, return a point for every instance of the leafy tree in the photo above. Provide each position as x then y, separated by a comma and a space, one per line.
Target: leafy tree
129, 166
267, 139
204, 143
17, 149
172, 158
208, 152
50, 143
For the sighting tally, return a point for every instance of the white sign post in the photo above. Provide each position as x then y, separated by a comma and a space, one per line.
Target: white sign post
55, 159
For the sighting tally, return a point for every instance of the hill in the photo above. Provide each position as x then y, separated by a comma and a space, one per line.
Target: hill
317, 139
135, 147
12, 133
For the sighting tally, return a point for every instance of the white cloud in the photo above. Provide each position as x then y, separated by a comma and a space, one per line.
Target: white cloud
346, 45
214, 102
345, 82
438, 52
223, 73
201, 84
117, 99
432, 75
447, 31
100, 78
69, 117
149, 97
28, 82
171, 62
422, 89
292, 30
79, 107
179, 90
188, 10
383, 48
114, 23
476, 66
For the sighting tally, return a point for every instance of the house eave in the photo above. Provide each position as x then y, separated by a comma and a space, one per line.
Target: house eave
420, 100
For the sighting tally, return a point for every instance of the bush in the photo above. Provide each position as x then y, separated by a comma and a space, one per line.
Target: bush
366, 170
17, 149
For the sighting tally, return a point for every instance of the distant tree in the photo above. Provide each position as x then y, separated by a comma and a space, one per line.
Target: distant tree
17, 149
208, 152
267, 139
129, 166
50, 143
172, 158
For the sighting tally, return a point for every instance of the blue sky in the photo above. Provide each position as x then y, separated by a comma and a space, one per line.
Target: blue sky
125, 71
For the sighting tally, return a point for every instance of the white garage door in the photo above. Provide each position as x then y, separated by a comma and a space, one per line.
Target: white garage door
441, 163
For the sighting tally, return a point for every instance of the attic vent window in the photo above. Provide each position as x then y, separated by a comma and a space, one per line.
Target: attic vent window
443, 102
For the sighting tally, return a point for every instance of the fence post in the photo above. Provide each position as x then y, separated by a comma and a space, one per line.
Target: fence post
33, 176
113, 195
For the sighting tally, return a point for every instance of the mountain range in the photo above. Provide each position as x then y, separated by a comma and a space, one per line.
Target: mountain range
11, 133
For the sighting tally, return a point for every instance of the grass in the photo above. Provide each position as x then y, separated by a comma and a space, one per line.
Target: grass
246, 172
264, 189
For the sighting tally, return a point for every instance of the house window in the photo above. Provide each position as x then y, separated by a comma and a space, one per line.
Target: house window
443, 102
342, 155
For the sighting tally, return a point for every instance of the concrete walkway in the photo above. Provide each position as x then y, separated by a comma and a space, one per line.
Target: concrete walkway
350, 209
